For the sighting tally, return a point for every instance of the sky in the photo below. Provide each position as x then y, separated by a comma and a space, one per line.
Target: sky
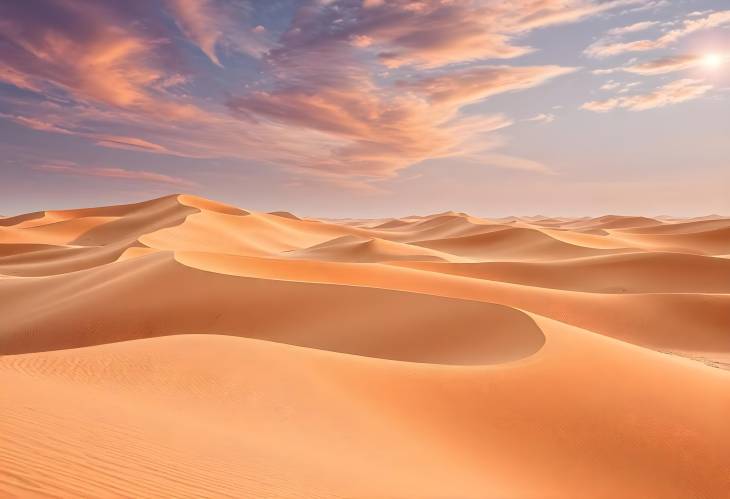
368, 108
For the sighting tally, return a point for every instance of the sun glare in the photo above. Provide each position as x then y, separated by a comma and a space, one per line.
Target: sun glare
713, 60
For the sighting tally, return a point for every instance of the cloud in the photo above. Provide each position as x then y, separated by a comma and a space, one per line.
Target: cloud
104, 140
113, 173
383, 131
618, 87
214, 24
433, 33
12, 77
35, 124
647, 5
131, 143
477, 83
194, 17
699, 13
85, 49
515, 163
610, 46
672, 93
354, 89
632, 28
664, 65
542, 118
378, 79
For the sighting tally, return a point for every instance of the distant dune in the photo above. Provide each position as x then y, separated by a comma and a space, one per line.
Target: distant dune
182, 347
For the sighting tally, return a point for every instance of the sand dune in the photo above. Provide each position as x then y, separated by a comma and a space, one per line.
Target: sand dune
610, 222
714, 241
654, 272
164, 297
361, 249
514, 243
182, 347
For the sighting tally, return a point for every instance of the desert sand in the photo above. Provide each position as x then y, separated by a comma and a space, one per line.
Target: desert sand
181, 347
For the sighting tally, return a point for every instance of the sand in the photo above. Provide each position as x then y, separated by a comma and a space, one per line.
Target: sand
182, 347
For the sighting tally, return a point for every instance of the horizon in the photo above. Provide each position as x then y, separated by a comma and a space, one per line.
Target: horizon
396, 216
365, 108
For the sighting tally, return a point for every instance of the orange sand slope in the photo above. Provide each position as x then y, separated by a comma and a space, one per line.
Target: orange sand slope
185, 348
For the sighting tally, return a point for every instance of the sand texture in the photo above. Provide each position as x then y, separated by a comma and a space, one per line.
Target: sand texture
182, 347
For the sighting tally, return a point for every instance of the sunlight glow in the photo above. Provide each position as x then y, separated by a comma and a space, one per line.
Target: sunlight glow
713, 60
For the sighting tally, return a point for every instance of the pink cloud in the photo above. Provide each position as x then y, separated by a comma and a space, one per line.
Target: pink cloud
114, 173
380, 133
324, 103
434, 32
479, 82
87, 52
665, 65
36, 124
131, 143
18, 79
51, 125
212, 24
515, 163
330, 81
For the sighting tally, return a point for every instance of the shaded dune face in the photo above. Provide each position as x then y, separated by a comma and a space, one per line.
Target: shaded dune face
182, 347
85, 238
155, 296
512, 244
655, 272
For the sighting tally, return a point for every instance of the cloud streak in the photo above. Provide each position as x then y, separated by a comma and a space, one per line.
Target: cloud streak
382, 132
672, 93
542, 118
610, 46
212, 25
114, 173
666, 65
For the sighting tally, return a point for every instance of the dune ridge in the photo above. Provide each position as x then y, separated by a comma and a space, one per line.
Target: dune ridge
185, 347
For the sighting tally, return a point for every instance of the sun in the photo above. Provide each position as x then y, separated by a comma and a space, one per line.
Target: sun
713, 60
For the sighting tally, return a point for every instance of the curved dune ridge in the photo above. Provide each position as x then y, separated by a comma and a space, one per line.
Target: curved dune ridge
182, 347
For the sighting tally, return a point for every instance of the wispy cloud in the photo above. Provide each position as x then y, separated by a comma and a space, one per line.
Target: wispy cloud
619, 87
36, 124
666, 65
515, 163
663, 65
672, 93
384, 131
131, 143
214, 25
610, 45
113, 173
86, 49
542, 118
479, 82
350, 88
337, 81
104, 140
632, 28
